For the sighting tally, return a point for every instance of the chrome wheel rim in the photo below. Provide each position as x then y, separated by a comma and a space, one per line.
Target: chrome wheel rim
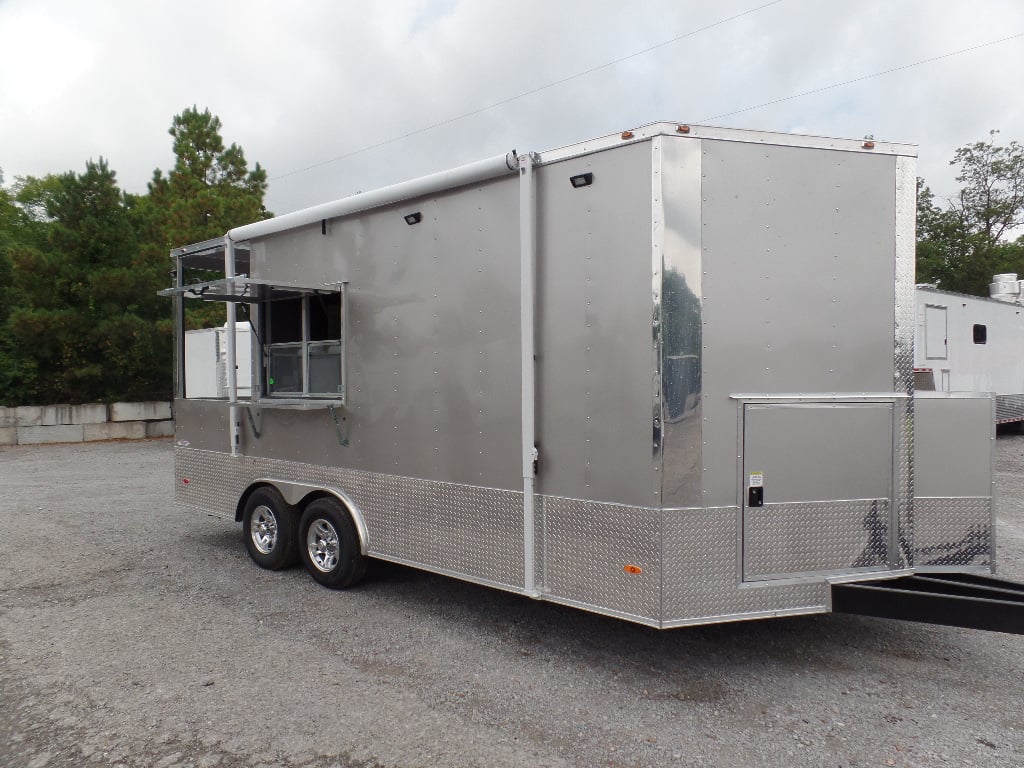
322, 545
263, 529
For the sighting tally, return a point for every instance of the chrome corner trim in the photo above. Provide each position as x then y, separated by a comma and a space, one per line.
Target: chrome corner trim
904, 324
657, 318
679, 257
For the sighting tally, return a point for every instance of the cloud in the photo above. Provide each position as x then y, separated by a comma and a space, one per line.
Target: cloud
297, 85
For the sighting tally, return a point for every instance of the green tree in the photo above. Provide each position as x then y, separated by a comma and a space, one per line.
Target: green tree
88, 325
209, 191
81, 262
23, 231
961, 245
11, 221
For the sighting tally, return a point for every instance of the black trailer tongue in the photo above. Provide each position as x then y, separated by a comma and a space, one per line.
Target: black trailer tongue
952, 599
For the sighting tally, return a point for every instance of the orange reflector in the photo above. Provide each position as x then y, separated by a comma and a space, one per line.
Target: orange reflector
627, 134
634, 570
683, 129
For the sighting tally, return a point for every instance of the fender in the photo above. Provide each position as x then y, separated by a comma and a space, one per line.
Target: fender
294, 493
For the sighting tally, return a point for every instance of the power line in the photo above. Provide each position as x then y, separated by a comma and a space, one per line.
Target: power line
524, 94
862, 77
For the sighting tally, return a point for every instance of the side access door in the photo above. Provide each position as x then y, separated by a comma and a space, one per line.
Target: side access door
818, 488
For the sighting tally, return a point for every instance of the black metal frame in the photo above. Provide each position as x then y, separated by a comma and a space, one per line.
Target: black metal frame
951, 599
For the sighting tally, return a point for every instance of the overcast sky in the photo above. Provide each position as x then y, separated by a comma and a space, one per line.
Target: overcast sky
321, 93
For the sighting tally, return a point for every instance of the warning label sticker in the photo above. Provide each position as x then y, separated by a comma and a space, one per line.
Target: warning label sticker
756, 480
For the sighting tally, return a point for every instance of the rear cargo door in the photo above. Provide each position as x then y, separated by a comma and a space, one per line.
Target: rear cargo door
817, 480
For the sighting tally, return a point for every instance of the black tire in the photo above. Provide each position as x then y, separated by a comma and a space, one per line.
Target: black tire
328, 544
269, 524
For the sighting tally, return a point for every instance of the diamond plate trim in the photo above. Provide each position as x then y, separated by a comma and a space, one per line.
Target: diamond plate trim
804, 538
688, 557
902, 535
701, 578
953, 532
215, 481
1009, 408
473, 531
587, 546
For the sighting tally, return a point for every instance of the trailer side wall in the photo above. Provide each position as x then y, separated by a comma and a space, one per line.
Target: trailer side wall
600, 481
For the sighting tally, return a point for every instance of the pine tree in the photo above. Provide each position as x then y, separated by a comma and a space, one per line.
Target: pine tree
209, 191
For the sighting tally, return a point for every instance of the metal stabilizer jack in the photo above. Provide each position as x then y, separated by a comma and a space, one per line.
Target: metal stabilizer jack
951, 599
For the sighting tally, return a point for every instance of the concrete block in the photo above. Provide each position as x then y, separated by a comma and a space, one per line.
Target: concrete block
111, 430
52, 415
8, 417
151, 411
90, 413
62, 433
28, 416
159, 428
8, 435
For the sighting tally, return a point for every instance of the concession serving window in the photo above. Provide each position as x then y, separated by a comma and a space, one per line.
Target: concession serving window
298, 337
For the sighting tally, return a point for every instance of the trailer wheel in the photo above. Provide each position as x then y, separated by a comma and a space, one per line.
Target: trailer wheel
269, 526
329, 544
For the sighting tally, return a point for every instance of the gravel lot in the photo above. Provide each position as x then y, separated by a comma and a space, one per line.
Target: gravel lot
133, 634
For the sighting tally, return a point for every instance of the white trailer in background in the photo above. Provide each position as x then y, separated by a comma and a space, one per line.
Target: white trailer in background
973, 344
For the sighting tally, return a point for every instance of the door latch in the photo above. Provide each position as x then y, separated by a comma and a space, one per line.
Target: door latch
755, 496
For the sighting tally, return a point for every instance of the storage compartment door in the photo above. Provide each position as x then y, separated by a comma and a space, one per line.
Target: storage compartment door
817, 488
954, 437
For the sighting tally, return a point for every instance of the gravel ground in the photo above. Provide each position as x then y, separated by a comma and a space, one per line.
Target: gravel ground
133, 634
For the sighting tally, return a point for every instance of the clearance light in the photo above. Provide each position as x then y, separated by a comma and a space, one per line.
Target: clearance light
683, 129
633, 570
868, 144
582, 180
627, 134
185, 480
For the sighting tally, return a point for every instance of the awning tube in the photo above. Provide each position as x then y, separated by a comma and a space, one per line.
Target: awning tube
473, 173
